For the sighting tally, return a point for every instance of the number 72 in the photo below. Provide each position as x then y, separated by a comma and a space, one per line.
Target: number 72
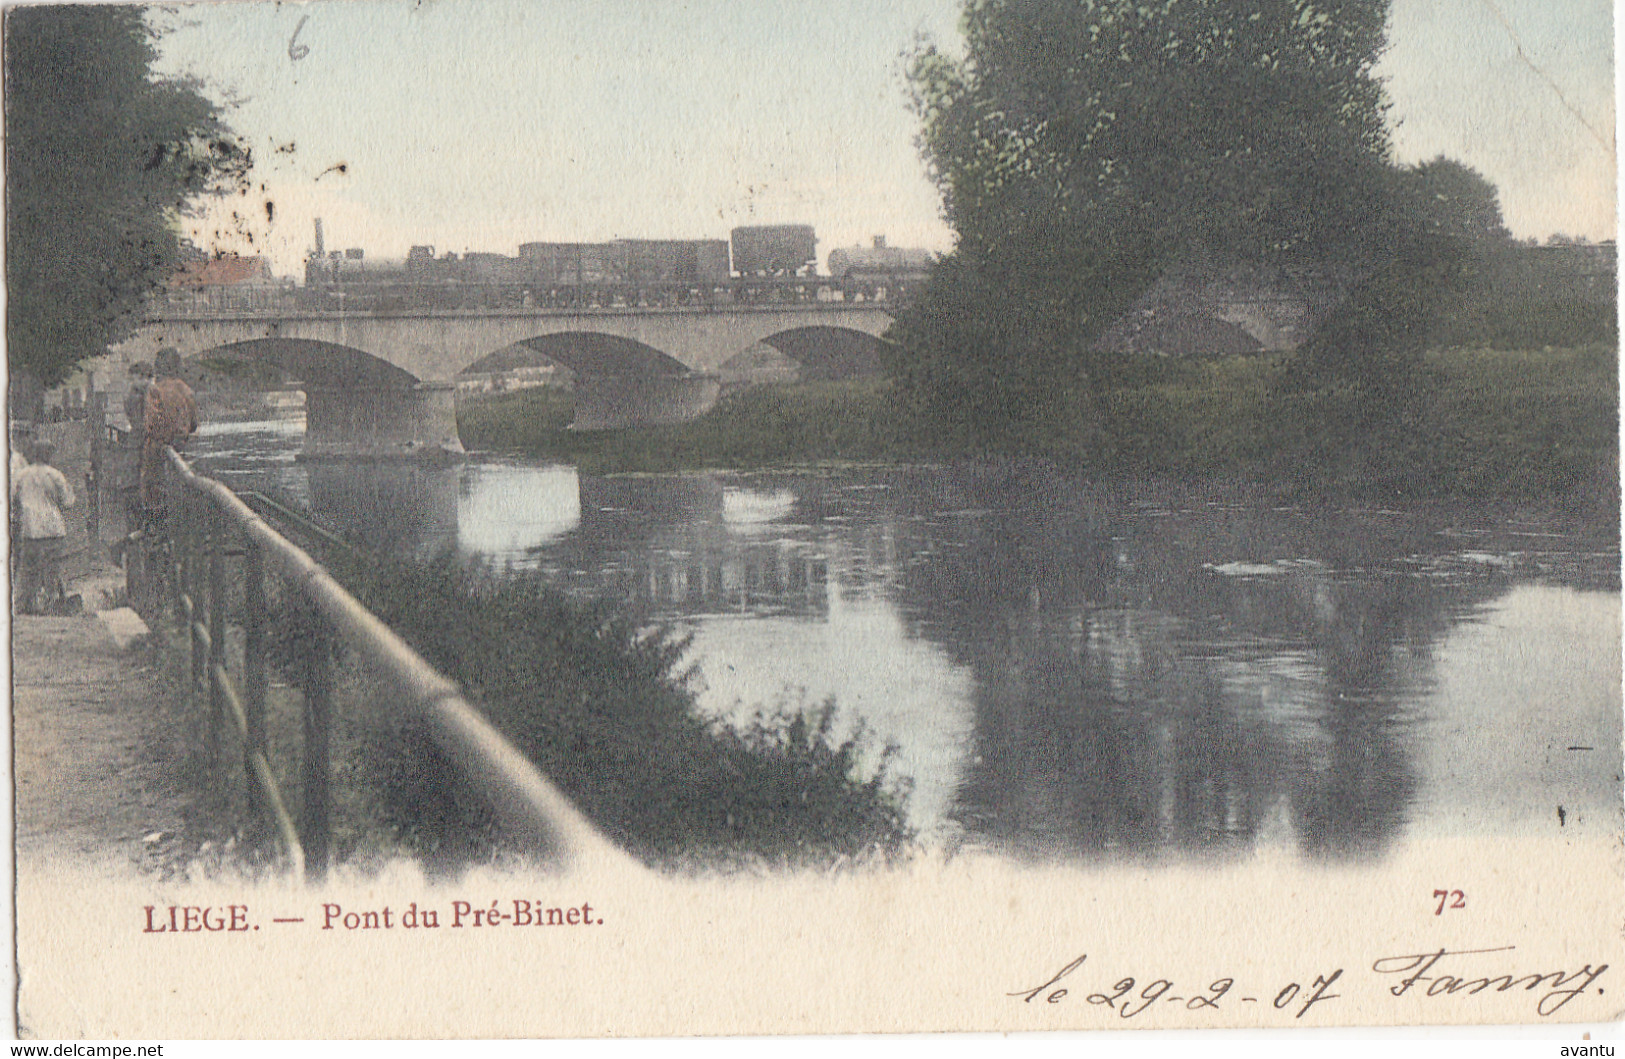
1444, 896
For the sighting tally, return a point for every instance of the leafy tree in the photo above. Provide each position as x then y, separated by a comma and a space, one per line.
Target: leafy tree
102, 156
1359, 393
1448, 229
1083, 146
1454, 201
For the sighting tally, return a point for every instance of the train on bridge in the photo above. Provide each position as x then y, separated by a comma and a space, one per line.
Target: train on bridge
759, 264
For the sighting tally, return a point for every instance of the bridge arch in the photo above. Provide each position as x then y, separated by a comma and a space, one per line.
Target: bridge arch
325, 365
355, 402
618, 381
583, 353
813, 353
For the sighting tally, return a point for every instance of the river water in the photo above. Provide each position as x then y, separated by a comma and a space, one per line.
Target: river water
1066, 670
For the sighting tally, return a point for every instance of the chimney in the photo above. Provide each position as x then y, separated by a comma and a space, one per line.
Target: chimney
319, 248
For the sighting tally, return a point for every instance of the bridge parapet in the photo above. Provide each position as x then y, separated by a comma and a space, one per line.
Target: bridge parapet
392, 299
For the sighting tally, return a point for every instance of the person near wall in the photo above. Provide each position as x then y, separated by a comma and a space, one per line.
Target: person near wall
135, 402
171, 418
135, 411
19, 442
39, 493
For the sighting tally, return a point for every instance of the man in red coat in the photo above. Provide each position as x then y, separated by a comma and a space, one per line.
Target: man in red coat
171, 418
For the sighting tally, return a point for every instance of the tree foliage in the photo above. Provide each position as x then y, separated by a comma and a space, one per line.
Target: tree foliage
1254, 126
1084, 146
102, 157
1450, 227
1359, 388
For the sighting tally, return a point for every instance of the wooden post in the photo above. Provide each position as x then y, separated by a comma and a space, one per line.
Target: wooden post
255, 669
174, 540
316, 828
195, 545
216, 523
96, 426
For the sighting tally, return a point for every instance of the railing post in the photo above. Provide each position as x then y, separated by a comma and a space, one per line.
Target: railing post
255, 670
216, 522
316, 825
174, 532
95, 427
196, 544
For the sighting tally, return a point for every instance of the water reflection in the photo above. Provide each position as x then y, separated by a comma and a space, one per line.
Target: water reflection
506, 512
397, 506
1067, 670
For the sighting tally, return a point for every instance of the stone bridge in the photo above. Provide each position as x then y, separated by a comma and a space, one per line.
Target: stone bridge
383, 382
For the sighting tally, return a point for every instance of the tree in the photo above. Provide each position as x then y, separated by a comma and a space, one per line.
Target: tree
1083, 146
1447, 229
102, 157
1359, 392
1254, 125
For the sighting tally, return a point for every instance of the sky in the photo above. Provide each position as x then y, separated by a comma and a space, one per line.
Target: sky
483, 124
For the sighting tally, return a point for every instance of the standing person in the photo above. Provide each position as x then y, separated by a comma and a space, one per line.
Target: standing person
19, 460
135, 410
19, 441
39, 492
135, 402
171, 418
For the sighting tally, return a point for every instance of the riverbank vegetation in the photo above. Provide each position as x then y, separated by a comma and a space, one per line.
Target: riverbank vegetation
1514, 423
603, 707
796, 423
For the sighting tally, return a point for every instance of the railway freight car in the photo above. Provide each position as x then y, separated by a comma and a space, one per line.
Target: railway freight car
672, 260
625, 261
775, 250
568, 264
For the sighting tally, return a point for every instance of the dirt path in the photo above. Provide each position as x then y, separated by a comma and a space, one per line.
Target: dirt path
93, 771
100, 744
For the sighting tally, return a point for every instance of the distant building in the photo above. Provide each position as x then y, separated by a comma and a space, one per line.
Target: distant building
226, 271
226, 282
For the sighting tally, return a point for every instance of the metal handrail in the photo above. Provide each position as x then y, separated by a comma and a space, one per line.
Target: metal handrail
528, 805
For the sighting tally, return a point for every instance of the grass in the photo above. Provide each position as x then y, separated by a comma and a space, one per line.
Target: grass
1524, 423
1479, 423
1194, 417
822, 421
603, 708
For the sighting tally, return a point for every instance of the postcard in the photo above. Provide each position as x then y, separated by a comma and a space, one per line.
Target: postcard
683, 518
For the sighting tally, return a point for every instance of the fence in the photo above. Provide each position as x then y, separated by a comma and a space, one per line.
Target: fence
208, 527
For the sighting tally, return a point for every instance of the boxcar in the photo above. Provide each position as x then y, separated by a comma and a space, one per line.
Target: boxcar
774, 250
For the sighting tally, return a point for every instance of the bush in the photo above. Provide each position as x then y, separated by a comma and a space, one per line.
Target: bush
1468, 422
852, 420
604, 710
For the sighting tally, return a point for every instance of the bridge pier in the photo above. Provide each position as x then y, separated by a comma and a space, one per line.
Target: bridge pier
382, 421
611, 402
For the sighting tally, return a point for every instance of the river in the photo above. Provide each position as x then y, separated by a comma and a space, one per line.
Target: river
1067, 670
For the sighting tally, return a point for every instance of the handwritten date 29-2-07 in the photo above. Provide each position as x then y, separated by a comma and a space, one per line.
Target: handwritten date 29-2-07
1128, 997
1435, 976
